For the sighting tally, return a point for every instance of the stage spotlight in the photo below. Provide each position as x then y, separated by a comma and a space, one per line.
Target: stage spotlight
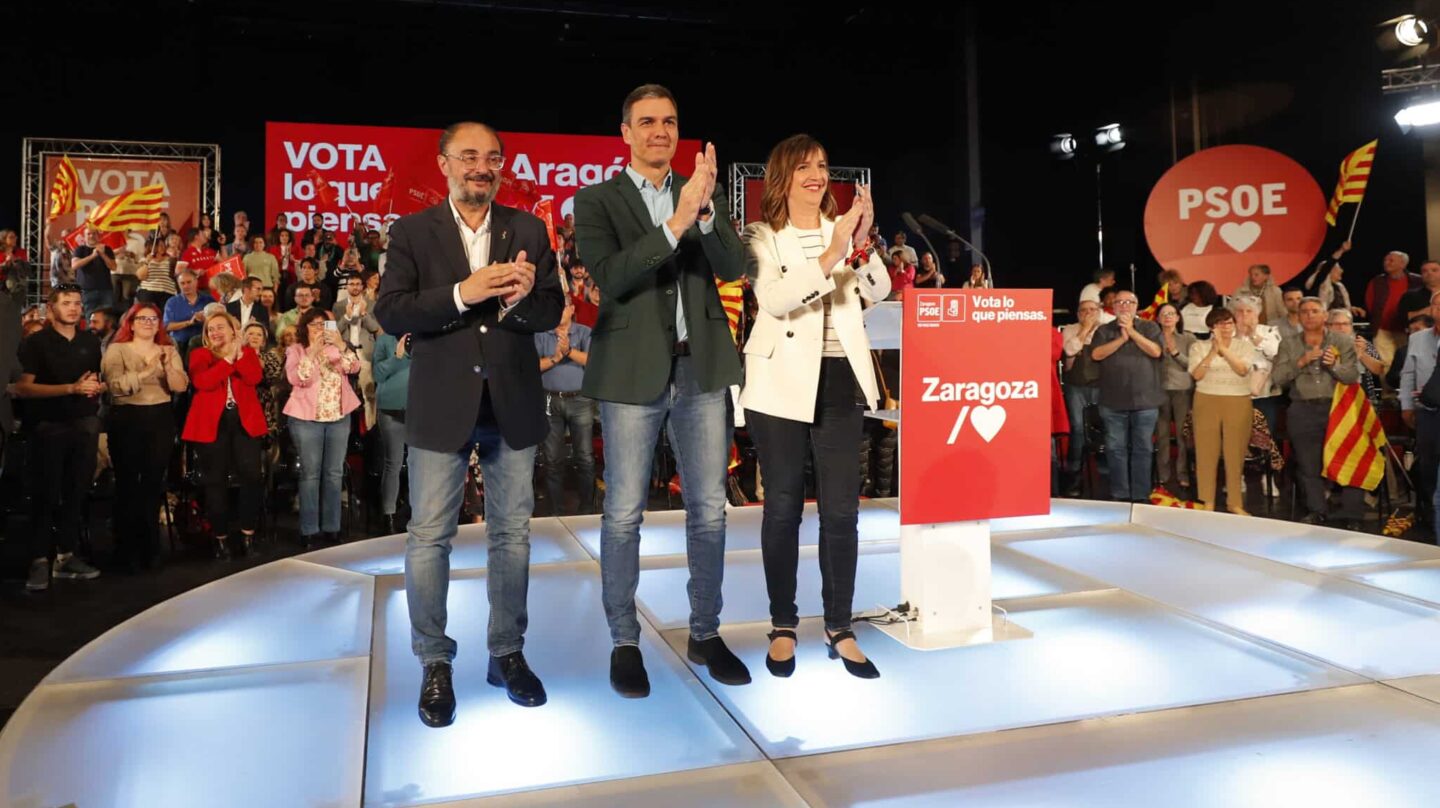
1424, 113
1411, 31
1110, 138
1063, 145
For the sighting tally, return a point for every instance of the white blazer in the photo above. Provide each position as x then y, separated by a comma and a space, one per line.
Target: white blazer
782, 355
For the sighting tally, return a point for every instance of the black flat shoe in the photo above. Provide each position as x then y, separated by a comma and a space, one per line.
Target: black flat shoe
725, 667
437, 696
627, 672
520, 683
780, 667
863, 670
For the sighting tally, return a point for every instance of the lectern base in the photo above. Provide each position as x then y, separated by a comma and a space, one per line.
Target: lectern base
914, 636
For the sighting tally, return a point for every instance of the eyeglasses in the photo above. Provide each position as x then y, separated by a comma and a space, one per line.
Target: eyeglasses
472, 159
149, 318
1125, 301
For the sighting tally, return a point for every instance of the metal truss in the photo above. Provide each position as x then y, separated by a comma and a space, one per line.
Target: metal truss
35, 197
1406, 79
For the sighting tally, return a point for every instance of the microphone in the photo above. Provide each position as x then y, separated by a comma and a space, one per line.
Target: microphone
920, 231
931, 221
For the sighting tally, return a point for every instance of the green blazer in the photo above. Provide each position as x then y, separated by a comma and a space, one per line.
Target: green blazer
631, 262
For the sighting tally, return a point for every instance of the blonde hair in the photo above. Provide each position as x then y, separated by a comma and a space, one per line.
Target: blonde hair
223, 284
219, 315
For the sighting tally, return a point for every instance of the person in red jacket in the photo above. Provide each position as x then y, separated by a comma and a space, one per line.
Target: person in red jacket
225, 424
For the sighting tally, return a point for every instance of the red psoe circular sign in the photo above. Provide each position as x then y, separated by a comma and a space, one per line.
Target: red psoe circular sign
1220, 211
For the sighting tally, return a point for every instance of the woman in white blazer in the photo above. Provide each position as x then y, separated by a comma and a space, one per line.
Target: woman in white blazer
808, 379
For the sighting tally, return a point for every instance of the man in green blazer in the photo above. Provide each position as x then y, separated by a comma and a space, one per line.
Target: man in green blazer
660, 351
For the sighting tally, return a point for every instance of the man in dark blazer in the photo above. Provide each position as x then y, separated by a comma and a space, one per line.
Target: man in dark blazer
661, 351
472, 282
247, 308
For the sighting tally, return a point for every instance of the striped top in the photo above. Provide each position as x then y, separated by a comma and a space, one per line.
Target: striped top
159, 277
813, 243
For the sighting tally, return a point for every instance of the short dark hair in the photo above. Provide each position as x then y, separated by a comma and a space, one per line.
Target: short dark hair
302, 325
252, 280
1205, 291
310, 262
642, 92
1219, 315
63, 289
454, 129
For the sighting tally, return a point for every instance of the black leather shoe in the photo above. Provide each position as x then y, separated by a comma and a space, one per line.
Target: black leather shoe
725, 667
1312, 519
222, 549
1352, 525
330, 538
627, 672
780, 667
520, 683
437, 696
309, 542
863, 670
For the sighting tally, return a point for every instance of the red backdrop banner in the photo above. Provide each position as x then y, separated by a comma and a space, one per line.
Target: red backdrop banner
1221, 210
974, 420
104, 177
340, 173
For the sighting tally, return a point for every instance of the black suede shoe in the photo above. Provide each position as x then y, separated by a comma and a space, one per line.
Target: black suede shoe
520, 683
437, 696
725, 667
780, 667
627, 672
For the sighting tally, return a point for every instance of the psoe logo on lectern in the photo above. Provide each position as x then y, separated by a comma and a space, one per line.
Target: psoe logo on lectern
929, 309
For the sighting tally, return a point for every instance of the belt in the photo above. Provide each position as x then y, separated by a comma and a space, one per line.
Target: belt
563, 393
681, 348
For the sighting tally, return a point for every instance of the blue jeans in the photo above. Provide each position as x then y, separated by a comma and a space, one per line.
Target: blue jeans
392, 436
1077, 398
322, 447
1130, 448
93, 299
576, 415
437, 487
695, 423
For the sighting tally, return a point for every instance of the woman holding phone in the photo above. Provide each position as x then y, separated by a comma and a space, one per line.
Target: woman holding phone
321, 400
808, 379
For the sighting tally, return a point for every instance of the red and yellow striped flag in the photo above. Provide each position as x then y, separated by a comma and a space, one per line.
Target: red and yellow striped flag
732, 298
1354, 440
1161, 298
1354, 174
65, 193
137, 210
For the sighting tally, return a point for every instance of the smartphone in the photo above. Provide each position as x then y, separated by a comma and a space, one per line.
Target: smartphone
331, 325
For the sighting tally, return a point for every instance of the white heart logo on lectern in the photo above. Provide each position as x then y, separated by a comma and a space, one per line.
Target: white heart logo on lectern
1240, 235
987, 421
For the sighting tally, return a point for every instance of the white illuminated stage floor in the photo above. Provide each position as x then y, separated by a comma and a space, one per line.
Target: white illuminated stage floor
1177, 659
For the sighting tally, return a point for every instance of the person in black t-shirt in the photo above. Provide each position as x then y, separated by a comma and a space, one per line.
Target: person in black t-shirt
92, 264
61, 363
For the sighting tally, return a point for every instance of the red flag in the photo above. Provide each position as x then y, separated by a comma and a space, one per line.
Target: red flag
324, 191
385, 196
76, 237
234, 265
546, 212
